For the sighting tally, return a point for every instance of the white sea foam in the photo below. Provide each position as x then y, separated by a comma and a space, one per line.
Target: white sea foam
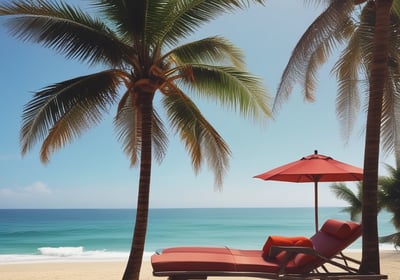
61, 251
387, 247
67, 254
382, 247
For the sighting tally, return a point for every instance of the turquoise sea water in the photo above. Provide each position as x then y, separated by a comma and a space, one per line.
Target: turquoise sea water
46, 235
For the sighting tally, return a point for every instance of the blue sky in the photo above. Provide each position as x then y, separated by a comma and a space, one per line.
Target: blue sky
93, 172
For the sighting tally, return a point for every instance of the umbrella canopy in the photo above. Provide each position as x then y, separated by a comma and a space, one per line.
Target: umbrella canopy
314, 168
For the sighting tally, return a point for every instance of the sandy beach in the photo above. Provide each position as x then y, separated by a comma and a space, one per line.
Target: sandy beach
390, 265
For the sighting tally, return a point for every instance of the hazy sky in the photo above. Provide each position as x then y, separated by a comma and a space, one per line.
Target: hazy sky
93, 172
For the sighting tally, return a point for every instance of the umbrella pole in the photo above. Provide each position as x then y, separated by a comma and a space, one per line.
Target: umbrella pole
316, 205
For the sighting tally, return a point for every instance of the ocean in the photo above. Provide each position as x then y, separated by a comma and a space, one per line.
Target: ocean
105, 234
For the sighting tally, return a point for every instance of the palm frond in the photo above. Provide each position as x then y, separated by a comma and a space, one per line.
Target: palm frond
343, 192
129, 17
310, 80
396, 8
390, 197
390, 118
66, 29
62, 111
160, 139
366, 29
347, 70
325, 27
212, 50
235, 89
320, 55
391, 238
128, 127
182, 18
201, 140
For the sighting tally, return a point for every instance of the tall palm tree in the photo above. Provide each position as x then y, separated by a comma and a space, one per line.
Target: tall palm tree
137, 42
378, 73
368, 37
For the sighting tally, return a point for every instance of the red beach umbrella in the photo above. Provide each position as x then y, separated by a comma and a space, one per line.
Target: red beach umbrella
314, 168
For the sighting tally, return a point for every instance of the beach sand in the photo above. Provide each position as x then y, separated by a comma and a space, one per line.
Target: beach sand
390, 265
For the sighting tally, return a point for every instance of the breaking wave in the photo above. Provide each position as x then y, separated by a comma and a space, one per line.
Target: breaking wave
67, 254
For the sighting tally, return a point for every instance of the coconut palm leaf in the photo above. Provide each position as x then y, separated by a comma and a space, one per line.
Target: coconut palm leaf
234, 88
323, 29
186, 16
66, 29
343, 192
200, 139
208, 50
63, 111
347, 70
390, 197
391, 238
127, 124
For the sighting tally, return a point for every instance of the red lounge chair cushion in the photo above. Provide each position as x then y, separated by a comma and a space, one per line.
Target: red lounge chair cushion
194, 259
337, 229
303, 259
213, 259
274, 240
252, 260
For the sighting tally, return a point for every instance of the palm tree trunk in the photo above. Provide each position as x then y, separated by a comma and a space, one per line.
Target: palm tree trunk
370, 244
132, 270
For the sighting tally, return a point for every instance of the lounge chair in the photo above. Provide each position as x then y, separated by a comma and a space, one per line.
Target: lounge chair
317, 257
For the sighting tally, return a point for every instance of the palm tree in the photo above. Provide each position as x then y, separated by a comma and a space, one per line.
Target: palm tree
378, 75
137, 42
355, 199
368, 50
388, 197
343, 192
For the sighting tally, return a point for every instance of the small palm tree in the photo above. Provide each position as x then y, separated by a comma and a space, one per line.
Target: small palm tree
354, 199
390, 199
137, 43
